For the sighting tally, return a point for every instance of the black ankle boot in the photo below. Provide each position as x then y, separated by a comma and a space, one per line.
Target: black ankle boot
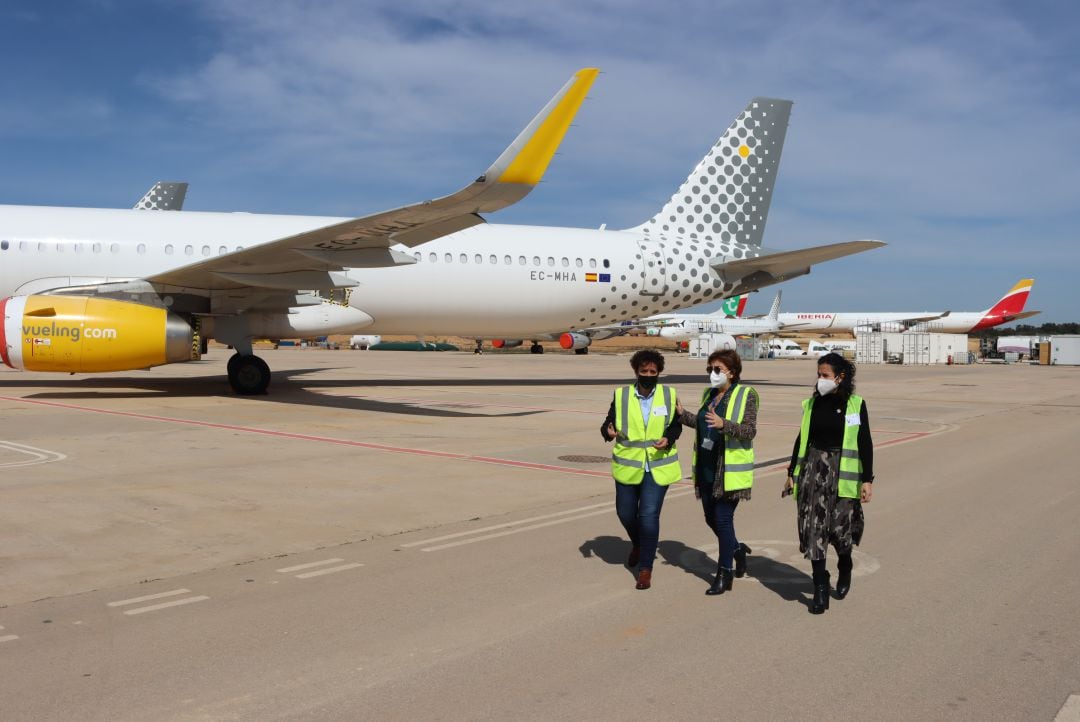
821, 594
722, 583
740, 560
843, 578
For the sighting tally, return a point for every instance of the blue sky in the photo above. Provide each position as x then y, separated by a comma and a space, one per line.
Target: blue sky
948, 130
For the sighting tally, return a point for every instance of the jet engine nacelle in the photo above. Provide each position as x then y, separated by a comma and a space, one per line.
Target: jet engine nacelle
503, 343
574, 341
86, 334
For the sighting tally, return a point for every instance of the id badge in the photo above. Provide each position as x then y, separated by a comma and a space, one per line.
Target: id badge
707, 444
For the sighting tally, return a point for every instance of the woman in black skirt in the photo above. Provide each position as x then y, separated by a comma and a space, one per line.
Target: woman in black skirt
831, 474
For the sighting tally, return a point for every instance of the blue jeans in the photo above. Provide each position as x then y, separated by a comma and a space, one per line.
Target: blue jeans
638, 507
720, 516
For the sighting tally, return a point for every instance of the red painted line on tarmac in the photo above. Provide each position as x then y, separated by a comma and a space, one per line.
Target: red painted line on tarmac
474, 405
322, 439
377, 447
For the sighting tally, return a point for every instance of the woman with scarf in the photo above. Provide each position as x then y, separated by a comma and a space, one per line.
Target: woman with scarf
726, 424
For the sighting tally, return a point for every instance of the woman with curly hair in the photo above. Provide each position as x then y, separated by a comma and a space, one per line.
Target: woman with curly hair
644, 461
831, 474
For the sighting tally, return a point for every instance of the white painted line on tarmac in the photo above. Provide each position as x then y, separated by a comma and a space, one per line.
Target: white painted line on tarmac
37, 456
9, 638
331, 570
148, 597
309, 565
165, 605
504, 526
1070, 711
531, 527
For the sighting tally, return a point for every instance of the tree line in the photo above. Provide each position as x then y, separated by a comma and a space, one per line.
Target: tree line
1023, 329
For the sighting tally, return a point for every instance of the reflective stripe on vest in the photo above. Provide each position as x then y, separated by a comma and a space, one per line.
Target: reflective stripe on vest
636, 436
738, 454
850, 463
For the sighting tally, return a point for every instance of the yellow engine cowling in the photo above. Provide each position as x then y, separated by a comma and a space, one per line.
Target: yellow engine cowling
84, 334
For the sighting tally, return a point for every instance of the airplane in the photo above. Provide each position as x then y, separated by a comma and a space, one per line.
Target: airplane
1009, 308
580, 342
97, 290
685, 326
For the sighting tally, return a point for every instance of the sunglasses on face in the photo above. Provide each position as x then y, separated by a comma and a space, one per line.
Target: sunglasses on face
716, 369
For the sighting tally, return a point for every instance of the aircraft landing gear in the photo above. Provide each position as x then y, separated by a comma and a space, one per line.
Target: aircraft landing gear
248, 375
536, 348
581, 351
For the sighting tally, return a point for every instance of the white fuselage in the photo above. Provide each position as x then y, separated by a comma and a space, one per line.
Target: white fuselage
850, 322
488, 281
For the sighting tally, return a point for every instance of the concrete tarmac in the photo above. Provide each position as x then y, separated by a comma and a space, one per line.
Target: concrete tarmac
432, 536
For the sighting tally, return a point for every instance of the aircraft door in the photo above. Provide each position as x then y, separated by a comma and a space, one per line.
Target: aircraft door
653, 268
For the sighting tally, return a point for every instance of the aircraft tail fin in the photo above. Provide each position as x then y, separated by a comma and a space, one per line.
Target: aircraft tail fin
732, 307
163, 196
774, 312
726, 197
1009, 307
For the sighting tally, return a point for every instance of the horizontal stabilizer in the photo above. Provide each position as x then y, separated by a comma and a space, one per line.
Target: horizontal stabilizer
1024, 314
769, 268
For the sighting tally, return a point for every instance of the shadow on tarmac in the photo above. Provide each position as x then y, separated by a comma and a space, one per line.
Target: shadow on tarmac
291, 387
609, 549
786, 581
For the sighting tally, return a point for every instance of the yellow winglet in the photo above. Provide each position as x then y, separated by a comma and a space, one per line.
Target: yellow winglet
528, 156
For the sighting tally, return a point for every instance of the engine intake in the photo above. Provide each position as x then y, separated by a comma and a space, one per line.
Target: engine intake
84, 334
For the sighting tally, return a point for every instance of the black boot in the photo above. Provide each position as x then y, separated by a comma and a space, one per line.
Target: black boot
740, 560
821, 593
722, 583
843, 579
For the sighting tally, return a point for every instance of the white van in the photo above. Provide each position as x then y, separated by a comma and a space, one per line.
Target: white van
783, 348
364, 342
816, 349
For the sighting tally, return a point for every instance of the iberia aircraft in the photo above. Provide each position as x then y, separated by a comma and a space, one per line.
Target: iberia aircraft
88, 290
1009, 308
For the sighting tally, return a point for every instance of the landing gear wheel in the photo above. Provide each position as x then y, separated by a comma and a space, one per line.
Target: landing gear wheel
581, 351
536, 348
248, 375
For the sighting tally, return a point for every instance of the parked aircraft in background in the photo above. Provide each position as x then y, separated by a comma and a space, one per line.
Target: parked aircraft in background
685, 326
114, 290
1009, 308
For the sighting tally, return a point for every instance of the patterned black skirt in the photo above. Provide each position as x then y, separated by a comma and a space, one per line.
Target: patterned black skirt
825, 518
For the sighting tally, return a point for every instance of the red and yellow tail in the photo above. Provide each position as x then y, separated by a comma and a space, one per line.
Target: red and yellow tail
1009, 308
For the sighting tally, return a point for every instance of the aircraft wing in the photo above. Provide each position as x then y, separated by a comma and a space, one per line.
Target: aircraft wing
783, 265
309, 260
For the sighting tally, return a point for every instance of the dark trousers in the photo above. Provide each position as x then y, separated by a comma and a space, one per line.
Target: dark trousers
638, 507
720, 516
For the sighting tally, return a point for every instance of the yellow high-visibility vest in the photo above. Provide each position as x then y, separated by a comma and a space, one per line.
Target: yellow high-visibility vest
850, 463
635, 438
738, 455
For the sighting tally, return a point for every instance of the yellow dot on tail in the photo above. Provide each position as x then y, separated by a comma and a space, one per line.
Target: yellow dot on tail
744, 151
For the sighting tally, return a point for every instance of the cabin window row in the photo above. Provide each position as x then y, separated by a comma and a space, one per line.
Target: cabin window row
79, 247
508, 260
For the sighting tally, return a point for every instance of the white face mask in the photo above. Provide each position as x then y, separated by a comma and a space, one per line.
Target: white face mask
718, 381
825, 386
